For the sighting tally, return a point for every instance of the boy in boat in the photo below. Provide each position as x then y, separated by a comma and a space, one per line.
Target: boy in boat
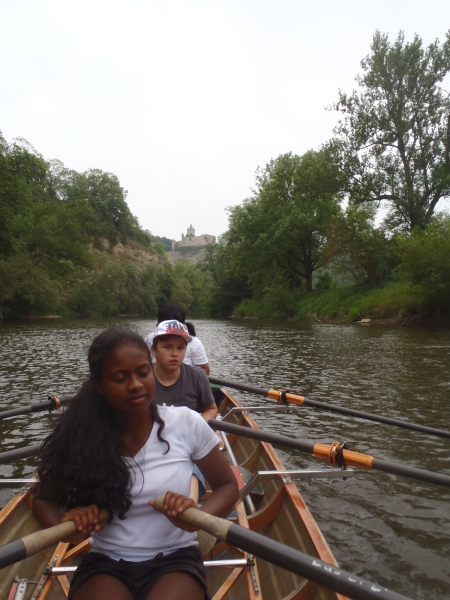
114, 448
178, 384
195, 352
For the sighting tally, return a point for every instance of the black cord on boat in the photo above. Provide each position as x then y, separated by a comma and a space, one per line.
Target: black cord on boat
283, 397
337, 454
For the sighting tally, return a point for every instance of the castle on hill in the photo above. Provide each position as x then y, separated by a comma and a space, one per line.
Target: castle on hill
190, 239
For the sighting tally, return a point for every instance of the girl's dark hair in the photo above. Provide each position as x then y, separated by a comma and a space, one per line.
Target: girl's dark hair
82, 459
191, 329
171, 311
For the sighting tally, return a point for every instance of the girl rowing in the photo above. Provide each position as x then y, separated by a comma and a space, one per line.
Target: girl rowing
114, 448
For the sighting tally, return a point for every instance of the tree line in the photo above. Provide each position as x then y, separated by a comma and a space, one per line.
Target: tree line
313, 223
309, 240
58, 231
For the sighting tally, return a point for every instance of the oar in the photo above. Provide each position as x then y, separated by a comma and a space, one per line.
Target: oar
53, 403
38, 541
18, 453
334, 454
285, 557
282, 396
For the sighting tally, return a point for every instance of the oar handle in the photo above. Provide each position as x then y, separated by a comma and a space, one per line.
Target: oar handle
38, 541
213, 525
285, 557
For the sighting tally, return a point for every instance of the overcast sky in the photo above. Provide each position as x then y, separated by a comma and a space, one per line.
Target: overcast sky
183, 99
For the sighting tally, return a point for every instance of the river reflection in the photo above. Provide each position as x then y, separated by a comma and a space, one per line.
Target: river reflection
388, 529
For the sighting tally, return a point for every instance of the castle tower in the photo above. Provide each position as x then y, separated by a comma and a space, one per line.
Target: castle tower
191, 231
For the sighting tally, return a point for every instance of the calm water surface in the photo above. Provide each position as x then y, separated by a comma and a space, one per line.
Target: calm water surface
392, 530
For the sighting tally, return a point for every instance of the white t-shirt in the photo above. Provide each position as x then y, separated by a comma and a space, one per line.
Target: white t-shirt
195, 351
145, 532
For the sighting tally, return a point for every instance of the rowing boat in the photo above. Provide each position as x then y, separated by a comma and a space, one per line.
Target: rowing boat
271, 505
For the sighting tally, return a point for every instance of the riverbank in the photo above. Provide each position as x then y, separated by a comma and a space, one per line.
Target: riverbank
393, 304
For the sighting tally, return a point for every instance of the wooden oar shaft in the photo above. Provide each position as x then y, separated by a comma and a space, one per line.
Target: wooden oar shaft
285, 557
301, 401
38, 541
325, 452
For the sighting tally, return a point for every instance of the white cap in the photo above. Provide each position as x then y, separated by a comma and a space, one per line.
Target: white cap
172, 327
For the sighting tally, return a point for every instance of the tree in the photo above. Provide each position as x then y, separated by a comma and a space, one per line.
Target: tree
424, 260
394, 139
101, 193
281, 232
22, 183
357, 249
49, 217
159, 249
228, 287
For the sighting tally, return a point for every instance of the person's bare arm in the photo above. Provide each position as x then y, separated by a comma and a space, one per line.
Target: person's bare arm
47, 513
209, 412
205, 368
217, 472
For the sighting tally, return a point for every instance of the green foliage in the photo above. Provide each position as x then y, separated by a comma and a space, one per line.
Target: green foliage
23, 181
358, 250
95, 291
284, 227
165, 242
26, 288
189, 249
345, 304
391, 148
110, 217
228, 287
159, 249
114, 287
324, 281
192, 287
54, 226
393, 140
425, 261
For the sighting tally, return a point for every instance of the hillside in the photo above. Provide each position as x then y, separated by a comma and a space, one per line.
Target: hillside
69, 245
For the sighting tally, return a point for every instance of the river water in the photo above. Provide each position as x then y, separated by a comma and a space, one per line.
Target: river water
391, 530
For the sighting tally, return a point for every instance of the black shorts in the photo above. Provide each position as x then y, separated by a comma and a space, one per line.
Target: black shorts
140, 577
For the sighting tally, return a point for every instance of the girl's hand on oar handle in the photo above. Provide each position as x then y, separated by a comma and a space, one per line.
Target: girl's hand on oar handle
175, 504
86, 520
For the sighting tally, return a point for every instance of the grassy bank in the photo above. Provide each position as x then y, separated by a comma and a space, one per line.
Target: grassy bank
346, 304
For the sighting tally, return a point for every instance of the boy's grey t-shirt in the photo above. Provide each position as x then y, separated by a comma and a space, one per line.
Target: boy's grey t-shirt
191, 389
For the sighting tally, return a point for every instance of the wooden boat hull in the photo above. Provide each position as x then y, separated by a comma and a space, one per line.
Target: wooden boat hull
280, 513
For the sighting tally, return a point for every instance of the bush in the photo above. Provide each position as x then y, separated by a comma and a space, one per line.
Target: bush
324, 281
425, 261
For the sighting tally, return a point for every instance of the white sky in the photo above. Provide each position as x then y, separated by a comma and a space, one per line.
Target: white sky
183, 99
